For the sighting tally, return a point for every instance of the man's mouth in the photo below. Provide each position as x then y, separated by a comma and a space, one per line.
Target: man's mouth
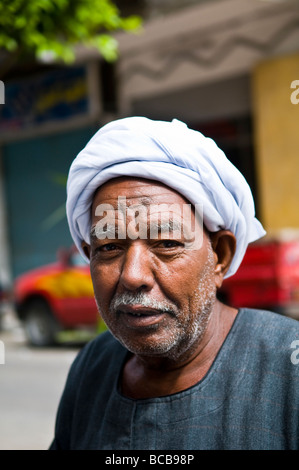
137, 316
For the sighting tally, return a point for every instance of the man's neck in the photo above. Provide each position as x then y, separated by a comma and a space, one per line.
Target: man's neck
148, 377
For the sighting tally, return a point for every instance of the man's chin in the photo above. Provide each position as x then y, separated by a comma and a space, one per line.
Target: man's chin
148, 348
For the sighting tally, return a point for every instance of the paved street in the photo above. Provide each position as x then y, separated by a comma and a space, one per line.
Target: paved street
31, 383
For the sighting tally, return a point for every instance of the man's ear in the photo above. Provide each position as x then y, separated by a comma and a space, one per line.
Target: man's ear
86, 249
224, 246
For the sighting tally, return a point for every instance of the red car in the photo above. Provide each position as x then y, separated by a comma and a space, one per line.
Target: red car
267, 278
56, 297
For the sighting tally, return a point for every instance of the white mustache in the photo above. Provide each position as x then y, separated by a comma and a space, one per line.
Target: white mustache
142, 299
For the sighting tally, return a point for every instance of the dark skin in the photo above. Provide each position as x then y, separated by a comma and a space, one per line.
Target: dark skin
171, 348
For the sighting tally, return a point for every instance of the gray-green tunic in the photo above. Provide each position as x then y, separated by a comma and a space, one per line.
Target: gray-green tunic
249, 399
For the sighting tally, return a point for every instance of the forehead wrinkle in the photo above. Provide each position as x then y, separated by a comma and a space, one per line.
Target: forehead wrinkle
170, 225
123, 200
146, 201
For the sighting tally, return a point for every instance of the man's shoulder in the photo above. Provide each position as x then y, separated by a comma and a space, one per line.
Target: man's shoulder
268, 323
269, 338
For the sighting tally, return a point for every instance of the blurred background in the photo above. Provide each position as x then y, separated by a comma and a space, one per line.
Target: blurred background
228, 68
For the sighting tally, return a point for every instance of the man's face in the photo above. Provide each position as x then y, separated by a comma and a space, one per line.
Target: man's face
155, 292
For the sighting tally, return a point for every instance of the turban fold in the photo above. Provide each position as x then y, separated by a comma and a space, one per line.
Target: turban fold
171, 153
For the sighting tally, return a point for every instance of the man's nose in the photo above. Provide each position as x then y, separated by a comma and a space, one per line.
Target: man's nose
137, 271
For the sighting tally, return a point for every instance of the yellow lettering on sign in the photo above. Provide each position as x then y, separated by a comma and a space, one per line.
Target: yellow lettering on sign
60, 94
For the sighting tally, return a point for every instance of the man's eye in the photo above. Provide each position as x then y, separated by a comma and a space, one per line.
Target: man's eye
107, 247
170, 244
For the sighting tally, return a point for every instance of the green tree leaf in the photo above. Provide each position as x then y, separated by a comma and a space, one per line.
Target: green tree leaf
39, 27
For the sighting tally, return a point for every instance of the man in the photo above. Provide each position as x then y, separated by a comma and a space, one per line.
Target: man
163, 217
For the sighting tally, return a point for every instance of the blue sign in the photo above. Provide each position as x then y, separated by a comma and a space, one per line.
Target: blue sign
55, 96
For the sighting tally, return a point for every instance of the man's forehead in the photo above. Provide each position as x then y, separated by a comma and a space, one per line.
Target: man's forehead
146, 191
132, 208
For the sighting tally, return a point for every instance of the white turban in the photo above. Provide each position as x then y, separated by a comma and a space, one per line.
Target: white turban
171, 153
